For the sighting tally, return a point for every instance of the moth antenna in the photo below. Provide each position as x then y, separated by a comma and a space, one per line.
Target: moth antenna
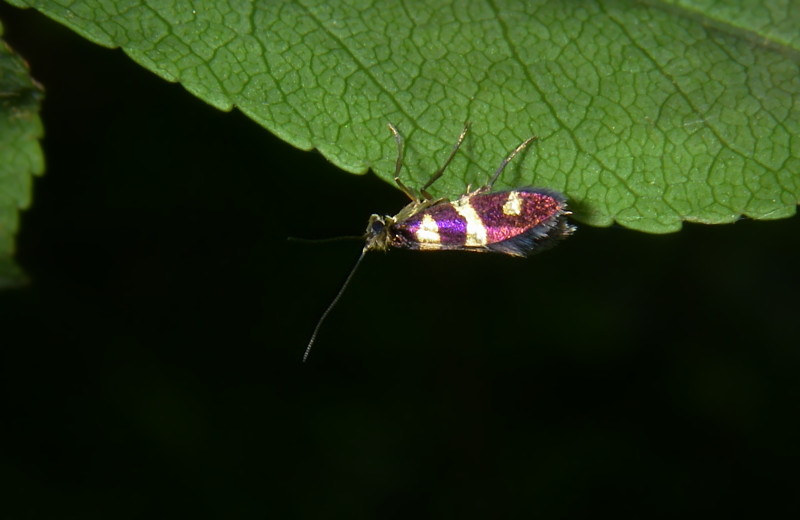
324, 240
333, 304
507, 160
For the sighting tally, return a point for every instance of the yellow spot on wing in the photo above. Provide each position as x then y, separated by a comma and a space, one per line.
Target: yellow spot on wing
513, 205
428, 232
476, 231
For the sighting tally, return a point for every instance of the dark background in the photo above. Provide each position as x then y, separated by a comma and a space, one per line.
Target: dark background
151, 368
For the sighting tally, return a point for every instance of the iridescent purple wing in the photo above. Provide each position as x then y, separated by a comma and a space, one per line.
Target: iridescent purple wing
514, 222
522, 221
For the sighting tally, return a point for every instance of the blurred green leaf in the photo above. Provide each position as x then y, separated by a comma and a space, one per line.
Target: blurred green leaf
20, 155
649, 114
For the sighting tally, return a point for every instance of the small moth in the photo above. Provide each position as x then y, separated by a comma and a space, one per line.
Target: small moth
516, 222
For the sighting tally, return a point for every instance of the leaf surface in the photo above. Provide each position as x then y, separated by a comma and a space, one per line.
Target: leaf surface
20, 155
649, 114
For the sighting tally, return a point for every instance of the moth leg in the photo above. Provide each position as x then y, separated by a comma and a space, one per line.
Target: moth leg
507, 160
399, 164
438, 173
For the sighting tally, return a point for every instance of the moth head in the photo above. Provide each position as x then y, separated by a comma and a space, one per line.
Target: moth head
377, 233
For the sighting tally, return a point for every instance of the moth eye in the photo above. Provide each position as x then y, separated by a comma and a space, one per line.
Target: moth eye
377, 227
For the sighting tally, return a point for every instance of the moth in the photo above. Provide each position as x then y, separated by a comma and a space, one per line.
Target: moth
517, 222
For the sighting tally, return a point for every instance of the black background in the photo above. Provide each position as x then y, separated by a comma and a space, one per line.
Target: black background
151, 368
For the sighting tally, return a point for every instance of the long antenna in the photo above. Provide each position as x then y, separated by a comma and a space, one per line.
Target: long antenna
324, 240
333, 303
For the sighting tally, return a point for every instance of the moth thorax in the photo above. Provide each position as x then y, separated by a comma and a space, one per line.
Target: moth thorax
377, 233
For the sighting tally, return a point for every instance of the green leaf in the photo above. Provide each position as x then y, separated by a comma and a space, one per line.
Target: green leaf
649, 114
20, 155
